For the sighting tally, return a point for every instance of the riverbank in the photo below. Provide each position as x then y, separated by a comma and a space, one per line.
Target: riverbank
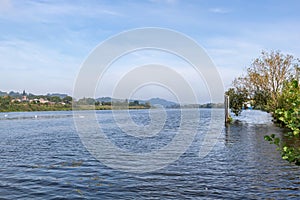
28, 107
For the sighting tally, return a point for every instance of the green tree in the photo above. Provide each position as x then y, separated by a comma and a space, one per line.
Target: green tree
260, 99
5, 103
55, 99
68, 99
134, 103
86, 101
288, 113
237, 98
265, 78
289, 107
106, 103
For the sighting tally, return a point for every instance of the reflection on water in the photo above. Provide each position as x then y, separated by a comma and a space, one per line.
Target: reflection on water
42, 158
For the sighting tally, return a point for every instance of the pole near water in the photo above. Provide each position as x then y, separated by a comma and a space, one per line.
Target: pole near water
297, 74
226, 105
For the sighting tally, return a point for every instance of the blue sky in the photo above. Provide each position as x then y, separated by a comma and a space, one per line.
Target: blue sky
43, 43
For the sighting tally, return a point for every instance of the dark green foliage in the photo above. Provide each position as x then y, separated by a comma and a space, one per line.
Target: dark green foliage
67, 99
289, 114
289, 107
134, 103
55, 99
86, 101
260, 99
236, 99
106, 103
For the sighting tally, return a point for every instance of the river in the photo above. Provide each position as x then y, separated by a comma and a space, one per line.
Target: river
42, 157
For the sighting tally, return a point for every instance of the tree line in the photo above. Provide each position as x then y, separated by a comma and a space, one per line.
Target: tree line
19, 102
30, 102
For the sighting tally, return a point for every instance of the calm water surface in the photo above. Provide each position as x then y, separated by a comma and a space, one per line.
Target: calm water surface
42, 157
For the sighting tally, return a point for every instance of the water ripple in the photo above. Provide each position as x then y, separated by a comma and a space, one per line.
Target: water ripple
45, 159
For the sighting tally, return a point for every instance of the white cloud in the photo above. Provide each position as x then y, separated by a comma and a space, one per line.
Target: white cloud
49, 12
46, 39
232, 55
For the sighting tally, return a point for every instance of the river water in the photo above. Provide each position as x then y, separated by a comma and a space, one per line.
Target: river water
42, 157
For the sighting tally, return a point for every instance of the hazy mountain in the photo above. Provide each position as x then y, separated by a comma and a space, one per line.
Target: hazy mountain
57, 95
109, 99
3, 93
153, 101
162, 102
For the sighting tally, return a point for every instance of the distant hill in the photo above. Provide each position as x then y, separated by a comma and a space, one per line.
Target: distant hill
57, 95
162, 102
3, 93
153, 101
109, 99
15, 94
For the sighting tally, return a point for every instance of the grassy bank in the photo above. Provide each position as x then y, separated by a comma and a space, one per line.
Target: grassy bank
27, 107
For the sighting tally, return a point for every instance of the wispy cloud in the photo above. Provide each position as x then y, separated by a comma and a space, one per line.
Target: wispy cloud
47, 11
220, 10
165, 1
31, 66
43, 40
